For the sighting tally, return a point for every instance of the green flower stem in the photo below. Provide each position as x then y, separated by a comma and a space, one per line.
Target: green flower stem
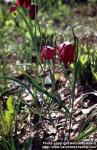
75, 78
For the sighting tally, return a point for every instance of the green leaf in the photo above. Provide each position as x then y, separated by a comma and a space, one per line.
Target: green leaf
86, 133
28, 88
10, 104
28, 144
50, 95
39, 88
7, 118
19, 82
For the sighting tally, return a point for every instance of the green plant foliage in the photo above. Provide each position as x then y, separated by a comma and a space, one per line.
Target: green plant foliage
86, 133
92, 1
83, 61
7, 118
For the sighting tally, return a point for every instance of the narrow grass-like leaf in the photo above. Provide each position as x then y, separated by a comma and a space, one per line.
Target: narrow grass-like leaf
21, 83
31, 81
85, 134
28, 144
27, 88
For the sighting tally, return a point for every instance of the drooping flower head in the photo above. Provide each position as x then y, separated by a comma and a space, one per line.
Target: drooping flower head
26, 3
19, 2
12, 8
66, 52
32, 10
23, 3
47, 53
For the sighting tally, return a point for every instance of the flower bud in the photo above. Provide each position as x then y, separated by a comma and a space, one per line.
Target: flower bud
32, 10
